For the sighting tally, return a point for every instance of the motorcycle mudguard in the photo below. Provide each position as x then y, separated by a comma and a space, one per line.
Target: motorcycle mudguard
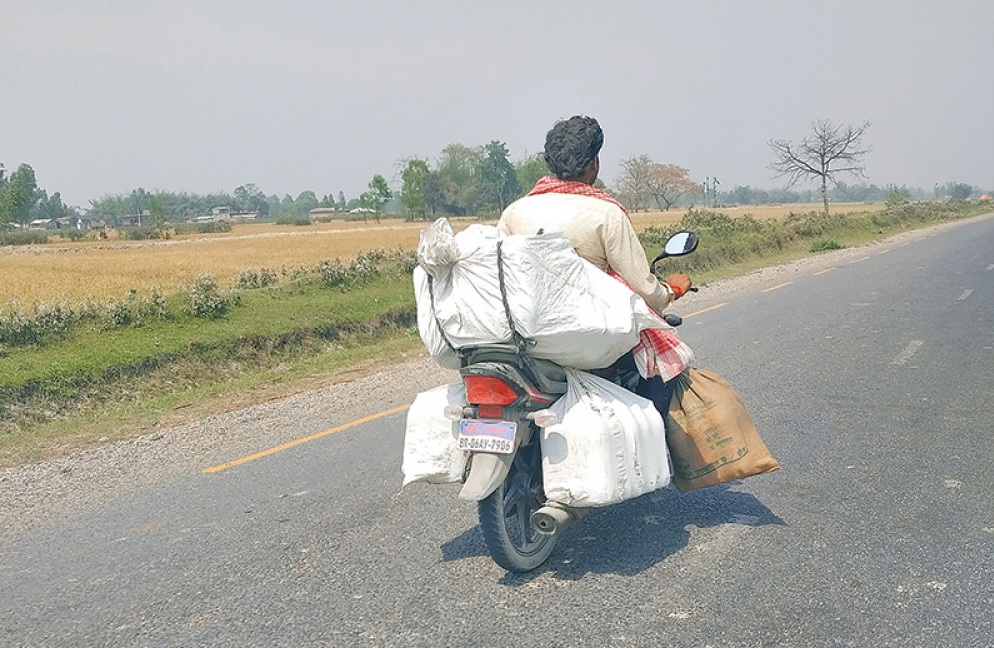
486, 472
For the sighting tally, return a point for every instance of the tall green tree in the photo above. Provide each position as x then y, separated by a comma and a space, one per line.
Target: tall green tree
50, 206
377, 195
249, 198
434, 192
458, 166
412, 194
498, 183
529, 171
158, 209
19, 195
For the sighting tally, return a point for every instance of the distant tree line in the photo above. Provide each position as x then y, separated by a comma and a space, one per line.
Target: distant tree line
167, 206
481, 180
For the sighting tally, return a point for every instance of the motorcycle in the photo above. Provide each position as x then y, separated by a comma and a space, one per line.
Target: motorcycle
508, 396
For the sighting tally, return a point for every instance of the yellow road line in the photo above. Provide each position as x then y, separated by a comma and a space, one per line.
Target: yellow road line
706, 310
772, 288
302, 440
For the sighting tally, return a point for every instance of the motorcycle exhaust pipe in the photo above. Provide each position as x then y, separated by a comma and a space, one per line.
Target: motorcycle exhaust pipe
550, 520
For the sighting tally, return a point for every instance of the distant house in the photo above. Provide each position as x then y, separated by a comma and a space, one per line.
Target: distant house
225, 215
75, 222
135, 220
219, 214
322, 214
66, 222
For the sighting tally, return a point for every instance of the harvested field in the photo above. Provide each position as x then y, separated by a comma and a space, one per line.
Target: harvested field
75, 272
102, 270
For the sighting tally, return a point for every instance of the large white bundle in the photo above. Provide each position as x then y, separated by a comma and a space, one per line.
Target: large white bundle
576, 314
431, 453
610, 445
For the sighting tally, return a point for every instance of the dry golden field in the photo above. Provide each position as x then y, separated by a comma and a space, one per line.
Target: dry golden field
101, 270
109, 269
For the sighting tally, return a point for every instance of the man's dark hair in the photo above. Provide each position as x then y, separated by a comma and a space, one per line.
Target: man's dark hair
572, 145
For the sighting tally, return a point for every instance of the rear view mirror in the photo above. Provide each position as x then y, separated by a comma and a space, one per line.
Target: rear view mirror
683, 242
680, 243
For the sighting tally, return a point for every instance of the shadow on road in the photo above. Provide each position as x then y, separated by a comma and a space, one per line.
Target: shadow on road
633, 536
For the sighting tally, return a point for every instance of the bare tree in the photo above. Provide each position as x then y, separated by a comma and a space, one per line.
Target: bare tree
668, 182
831, 151
633, 184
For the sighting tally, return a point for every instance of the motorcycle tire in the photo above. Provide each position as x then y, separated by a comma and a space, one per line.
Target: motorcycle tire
505, 516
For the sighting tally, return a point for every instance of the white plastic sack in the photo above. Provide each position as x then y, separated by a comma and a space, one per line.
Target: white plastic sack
577, 315
431, 453
610, 445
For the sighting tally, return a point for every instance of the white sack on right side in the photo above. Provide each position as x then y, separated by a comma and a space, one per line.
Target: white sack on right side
609, 446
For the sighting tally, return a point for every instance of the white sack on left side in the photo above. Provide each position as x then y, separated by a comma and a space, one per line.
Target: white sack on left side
431, 452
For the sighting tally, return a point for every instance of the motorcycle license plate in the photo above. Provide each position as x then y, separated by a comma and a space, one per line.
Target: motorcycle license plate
487, 436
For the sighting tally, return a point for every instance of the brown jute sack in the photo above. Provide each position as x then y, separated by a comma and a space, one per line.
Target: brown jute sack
709, 433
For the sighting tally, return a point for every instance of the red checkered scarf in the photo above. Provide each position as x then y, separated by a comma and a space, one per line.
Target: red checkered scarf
548, 184
659, 351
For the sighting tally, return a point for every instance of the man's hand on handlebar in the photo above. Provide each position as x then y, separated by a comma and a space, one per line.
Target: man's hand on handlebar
680, 283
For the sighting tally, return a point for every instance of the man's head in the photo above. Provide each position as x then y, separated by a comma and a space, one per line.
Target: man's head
571, 149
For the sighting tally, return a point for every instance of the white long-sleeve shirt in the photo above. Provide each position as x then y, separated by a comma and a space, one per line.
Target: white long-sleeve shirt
599, 231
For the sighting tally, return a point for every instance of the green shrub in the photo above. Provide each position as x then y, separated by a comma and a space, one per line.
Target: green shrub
333, 274
72, 234
140, 233
248, 279
363, 269
212, 227
821, 245
299, 221
297, 273
49, 320
898, 196
206, 300
23, 237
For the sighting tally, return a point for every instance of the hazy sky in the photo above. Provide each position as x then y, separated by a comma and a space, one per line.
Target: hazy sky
102, 96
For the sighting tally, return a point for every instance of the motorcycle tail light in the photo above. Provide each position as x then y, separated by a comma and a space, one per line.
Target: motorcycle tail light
490, 411
487, 390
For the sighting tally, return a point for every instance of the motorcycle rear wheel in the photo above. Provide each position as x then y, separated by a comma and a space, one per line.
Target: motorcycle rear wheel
505, 516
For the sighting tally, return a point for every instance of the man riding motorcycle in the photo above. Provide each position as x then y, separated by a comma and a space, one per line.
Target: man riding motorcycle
600, 230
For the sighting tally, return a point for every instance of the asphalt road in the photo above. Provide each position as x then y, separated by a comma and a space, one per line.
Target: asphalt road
871, 381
